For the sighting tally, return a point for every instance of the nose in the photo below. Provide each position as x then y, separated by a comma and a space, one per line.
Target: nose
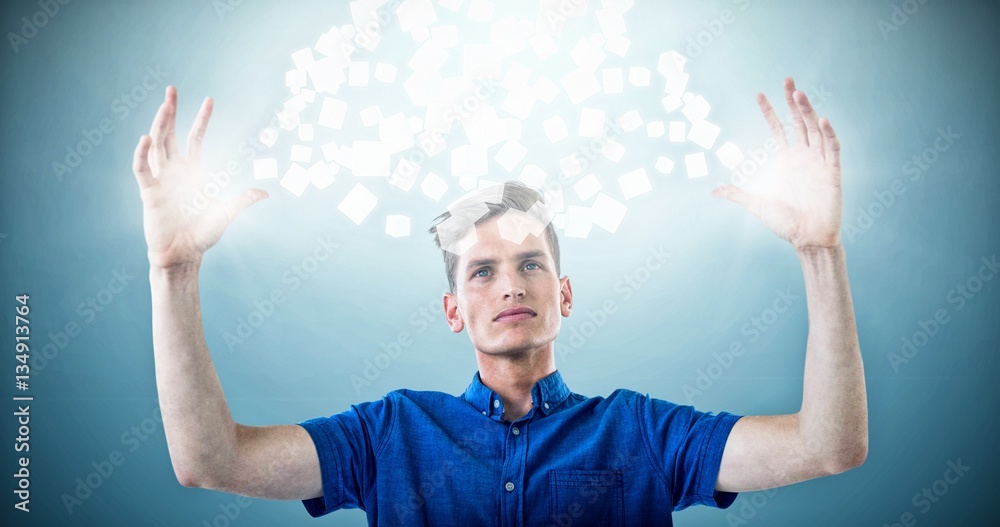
512, 286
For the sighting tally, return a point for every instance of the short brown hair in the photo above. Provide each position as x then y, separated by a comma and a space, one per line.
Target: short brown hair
477, 209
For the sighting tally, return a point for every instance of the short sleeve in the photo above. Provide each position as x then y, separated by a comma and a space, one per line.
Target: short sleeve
687, 445
347, 445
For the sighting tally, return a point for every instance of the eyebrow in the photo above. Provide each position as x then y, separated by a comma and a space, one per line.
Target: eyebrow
491, 261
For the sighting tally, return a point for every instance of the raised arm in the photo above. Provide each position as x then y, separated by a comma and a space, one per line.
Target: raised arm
207, 448
829, 434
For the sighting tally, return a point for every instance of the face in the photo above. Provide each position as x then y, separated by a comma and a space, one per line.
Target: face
507, 294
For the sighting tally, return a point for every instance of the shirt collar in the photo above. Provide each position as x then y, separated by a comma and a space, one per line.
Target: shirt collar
546, 395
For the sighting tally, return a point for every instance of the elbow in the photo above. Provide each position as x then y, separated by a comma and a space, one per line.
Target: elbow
847, 458
193, 477
187, 479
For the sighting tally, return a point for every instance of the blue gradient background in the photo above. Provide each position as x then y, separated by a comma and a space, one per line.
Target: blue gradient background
887, 100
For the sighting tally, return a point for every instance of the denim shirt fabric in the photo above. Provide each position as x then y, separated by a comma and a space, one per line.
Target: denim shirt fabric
430, 458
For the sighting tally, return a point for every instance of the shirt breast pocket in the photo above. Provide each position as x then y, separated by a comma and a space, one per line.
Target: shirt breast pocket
587, 497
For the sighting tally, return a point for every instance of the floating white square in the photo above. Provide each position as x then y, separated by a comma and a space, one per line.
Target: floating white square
397, 225
358, 204
695, 164
634, 183
266, 168
730, 155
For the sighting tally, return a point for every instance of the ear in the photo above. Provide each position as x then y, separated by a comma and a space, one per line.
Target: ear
566, 296
451, 313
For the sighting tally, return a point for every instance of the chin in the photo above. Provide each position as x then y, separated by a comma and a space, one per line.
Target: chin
514, 346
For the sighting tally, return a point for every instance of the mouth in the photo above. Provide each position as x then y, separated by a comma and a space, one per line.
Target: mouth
515, 314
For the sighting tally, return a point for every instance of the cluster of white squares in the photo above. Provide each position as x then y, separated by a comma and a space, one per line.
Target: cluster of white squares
321, 71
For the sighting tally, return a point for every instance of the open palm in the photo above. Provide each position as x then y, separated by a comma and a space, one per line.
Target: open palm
805, 204
168, 185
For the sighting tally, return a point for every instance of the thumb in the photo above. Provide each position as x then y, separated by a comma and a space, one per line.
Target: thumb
737, 195
233, 206
222, 213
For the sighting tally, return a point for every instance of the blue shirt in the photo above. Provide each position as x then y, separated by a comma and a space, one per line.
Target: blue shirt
430, 458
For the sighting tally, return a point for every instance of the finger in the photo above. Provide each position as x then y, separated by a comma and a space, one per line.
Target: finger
777, 130
811, 120
170, 140
739, 196
140, 163
831, 145
798, 125
157, 133
197, 132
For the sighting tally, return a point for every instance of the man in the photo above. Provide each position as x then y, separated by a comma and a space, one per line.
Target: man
517, 448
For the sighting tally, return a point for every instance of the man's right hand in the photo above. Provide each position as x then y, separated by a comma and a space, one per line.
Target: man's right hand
168, 184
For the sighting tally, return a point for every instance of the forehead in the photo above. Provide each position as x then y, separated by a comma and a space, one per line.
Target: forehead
497, 240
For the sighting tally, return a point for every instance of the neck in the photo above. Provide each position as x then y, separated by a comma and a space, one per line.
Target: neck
513, 376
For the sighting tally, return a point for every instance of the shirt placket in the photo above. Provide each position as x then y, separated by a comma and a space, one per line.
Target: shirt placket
515, 456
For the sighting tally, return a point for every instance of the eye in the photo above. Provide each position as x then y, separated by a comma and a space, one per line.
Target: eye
529, 264
482, 273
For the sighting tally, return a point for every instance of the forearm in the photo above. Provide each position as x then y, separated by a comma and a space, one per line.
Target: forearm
201, 434
833, 420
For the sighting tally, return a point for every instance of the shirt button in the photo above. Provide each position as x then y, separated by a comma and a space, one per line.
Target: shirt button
509, 486
496, 403
546, 405
484, 412
515, 431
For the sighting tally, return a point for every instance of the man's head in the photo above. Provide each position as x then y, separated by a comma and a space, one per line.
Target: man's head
502, 259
